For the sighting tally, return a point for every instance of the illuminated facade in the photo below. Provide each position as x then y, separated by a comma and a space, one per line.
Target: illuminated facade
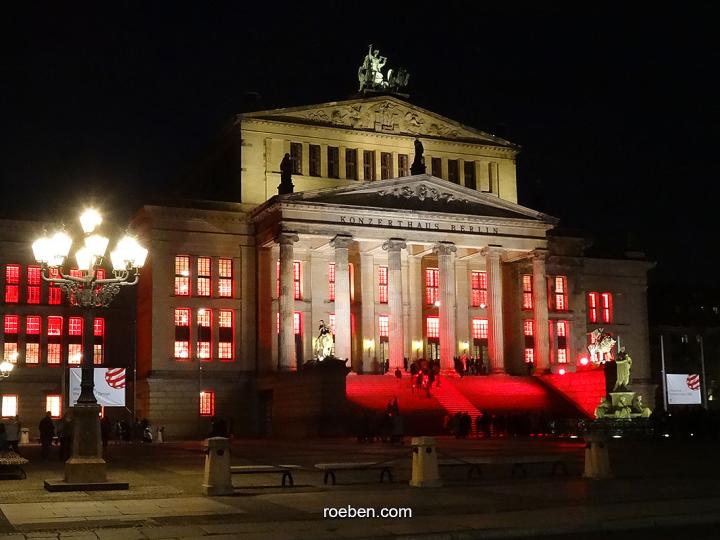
400, 266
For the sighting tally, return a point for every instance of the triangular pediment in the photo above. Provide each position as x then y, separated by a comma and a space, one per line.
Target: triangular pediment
420, 193
383, 114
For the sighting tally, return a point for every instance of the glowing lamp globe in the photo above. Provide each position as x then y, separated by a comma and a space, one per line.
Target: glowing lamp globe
89, 220
96, 245
84, 259
42, 249
129, 251
584, 361
6, 367
561, 371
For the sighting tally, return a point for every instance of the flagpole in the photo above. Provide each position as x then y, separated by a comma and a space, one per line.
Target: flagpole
664, 378
702, 368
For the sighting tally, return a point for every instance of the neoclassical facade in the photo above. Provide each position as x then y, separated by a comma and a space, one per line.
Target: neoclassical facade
434, 265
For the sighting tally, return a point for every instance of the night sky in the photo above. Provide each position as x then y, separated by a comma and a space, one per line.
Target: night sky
615, 110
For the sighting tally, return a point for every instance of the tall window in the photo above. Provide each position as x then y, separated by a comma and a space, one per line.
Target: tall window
600, 307
386, 168
384, 326
182, 333
331, 323
351, 164
470, 180
33, 285
593, 301
607, 307
207, 403
297, 280
32, 339
226, 335
225, 278
561, 331
331, 282
9, 405
527, 288
369, 164
54, 336
403, 165
453, 171
203, 276
75, 340
11, 324
182, 275
529, 333
383, 284
296, 157
432, 326
432, 282
479, 289
54, 293
559, 297
493, 177
12, 283
99, 341
297, 323
479, 328
333, 156
436, 166
314, 150
53, 403
204, 334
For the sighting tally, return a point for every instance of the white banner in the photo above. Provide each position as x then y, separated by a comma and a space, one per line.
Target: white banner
683, 389
109, 386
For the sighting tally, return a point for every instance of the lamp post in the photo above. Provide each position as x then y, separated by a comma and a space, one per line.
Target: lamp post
85, 469
5, 369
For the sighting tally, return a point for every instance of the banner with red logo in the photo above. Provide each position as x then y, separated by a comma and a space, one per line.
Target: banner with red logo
109, 386
683, 389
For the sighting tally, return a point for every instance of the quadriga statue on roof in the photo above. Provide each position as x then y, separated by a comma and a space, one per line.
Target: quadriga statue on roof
370, 74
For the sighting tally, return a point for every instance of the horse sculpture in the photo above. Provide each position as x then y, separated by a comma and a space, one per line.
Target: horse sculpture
601, 345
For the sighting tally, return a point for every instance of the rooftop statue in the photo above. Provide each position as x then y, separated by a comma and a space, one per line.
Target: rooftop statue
371, 77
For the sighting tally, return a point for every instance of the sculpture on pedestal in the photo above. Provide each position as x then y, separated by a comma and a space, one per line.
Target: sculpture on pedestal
370, 74
418, 164
324, 343
286, 169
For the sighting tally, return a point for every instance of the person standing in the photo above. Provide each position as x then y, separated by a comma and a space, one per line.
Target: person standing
12, 430
47, 432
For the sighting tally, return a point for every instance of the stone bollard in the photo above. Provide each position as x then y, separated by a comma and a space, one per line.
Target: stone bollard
597, 461
425, 472
217, 479
24, 436
160, 437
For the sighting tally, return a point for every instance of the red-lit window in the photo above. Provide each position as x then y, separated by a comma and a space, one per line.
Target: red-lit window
182, 333
607, 307
592, 300
226, 335
11, 324
99, 341
54, 293
75, 353
100, 273
204, 334
32, 325
32, 339
479, 328
527, 287
297, 288
432, 325
75, 337
12, 283
383, 326
182, 275
331, 282
33, 282
559, 297
75, 326
32, 353
432, 281
55, 326
53, 404
225, 278
203, 276
529, 333
561, 333
207, 403
54, 336
54, 354
479, 289
297, 323
383, 284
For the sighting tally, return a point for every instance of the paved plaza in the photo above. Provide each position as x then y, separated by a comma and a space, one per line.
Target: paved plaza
658, 486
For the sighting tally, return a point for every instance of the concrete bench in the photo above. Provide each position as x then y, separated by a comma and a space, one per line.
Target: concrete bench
284, 470
384, 467
11, 465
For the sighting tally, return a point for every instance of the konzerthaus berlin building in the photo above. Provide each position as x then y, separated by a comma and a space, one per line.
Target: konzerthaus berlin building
400, 266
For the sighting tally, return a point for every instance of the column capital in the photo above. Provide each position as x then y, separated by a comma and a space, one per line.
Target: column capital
341, 241
492, 251
286, 238
394, 244
539, 254
444, 248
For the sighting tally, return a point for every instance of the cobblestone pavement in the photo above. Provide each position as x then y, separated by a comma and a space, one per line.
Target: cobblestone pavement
656, 484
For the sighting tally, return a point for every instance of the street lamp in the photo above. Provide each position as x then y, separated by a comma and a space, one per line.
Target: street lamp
88, 292
5, 369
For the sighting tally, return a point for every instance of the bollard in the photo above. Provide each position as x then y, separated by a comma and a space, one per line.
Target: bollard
597, 461
25, 436
425, 472
217, 479
160, 434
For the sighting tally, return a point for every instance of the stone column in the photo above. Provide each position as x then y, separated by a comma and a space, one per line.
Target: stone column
395, 301
367, 307
540, 306
286, 303
415, 292
462, 304
343, 339
496, 340
446, 270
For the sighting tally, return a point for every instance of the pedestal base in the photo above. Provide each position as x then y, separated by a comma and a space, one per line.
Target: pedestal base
62, 485
85, 470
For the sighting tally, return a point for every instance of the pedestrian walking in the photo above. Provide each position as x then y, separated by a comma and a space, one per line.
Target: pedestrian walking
47, 432
12, 430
